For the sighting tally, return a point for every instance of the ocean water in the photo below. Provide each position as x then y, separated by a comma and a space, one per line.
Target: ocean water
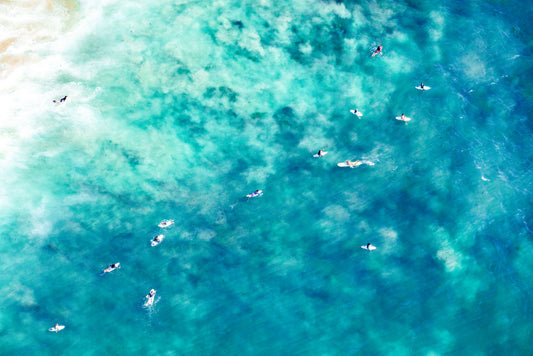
178, 109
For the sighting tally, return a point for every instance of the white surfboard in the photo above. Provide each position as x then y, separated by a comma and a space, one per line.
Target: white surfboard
257, 193
149, 302
369, 248
151, 298
157, 241
166, 223
344, 164
323, 154
358, 113
57, 328
424, 88
405, 119
111, 269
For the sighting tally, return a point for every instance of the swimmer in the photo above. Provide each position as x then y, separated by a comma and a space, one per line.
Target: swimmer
377, 51
166, 223
112, 267
60, 100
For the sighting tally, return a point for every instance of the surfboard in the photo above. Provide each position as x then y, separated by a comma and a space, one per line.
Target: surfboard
155, 242
57, 328
150, 301
405, 120
166, 223
344, 164
370, 248
257, 193
151, 298
424, 88
323, 154
358, 113
111, 269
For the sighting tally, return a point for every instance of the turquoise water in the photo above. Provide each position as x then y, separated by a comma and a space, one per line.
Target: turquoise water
178, 109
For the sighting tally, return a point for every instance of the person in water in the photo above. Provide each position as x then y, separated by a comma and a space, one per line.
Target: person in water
377, 51
60, 100
112, 267
255, 194
320, 153
151, 294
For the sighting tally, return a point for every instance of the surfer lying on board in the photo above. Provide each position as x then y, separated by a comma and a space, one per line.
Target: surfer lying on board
377, 51
353, 164
257, 193
112, 267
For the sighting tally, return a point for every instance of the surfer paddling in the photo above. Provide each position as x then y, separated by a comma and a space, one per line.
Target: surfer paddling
377, 51
112, 267
257, 193
60, 100
165, 223
150, 296
353, 164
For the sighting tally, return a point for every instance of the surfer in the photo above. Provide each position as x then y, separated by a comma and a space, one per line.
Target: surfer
151, 294
368, 246
157, 240
60, 100
402, 117
377, 51
150, 297
320, 153
353, 164
56, 328
166, 223
421, 85
112, 267
257, 193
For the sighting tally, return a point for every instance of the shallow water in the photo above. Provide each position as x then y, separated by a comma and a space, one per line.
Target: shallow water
179, 109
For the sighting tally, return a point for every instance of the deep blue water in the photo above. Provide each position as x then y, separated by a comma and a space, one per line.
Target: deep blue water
178, 109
